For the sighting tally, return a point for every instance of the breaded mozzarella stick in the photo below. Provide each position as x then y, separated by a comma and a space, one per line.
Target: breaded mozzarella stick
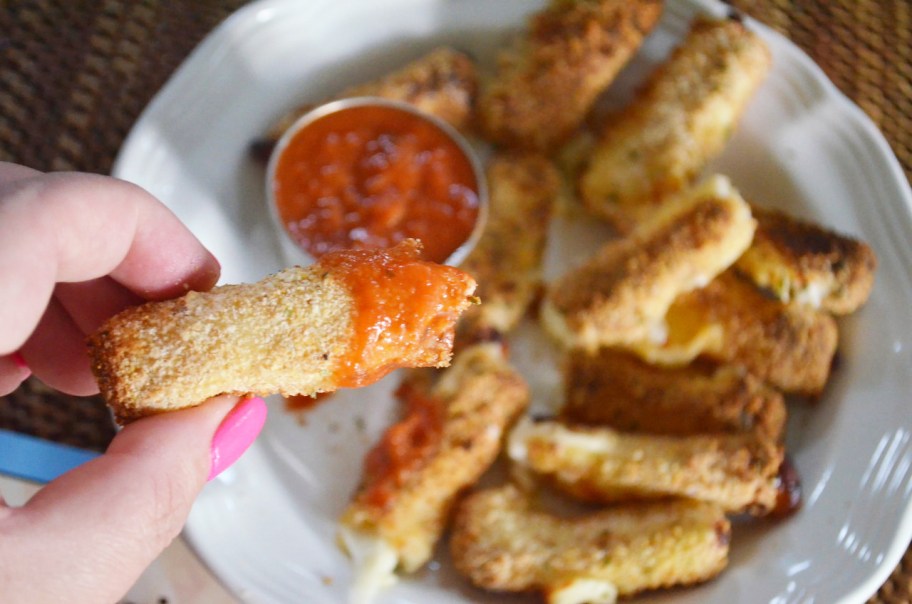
442, 83
682, 119
735, 471
790, 346
799, 261
622, 293
617, 389
546, 83
343, 322
506, 262
501, 542
451, 432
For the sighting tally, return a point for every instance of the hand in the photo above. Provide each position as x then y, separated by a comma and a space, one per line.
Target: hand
75, 249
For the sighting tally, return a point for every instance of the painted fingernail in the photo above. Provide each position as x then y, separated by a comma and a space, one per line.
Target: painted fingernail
236, 433
21, 364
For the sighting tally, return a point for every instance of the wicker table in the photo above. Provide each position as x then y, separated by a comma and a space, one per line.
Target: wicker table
74, 76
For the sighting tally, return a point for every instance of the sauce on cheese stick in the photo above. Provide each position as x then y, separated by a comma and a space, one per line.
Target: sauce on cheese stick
343, 322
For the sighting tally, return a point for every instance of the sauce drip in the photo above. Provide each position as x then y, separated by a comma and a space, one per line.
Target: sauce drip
305, 402
401, 303
404, 449
371, 176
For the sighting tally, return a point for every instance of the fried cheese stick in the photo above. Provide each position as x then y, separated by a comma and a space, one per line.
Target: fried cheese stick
617, 389
299, 331
443, 83
450, 435
548, 80
682, 118
501, 542
790, 346
804, 262
506, 262
621, 294
735, 471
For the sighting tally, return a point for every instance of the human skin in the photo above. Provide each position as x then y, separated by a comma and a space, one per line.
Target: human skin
75, 249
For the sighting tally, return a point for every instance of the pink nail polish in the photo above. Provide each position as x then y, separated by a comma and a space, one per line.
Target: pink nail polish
236, 433
16, 357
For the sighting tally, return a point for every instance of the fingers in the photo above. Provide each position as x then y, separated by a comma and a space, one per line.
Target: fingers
78, 227
100, 525
13, 371
56, 353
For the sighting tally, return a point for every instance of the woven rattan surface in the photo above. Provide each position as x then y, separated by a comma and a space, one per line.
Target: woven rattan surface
75, 75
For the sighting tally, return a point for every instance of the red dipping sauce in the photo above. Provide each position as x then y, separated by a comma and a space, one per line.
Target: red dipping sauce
367, 173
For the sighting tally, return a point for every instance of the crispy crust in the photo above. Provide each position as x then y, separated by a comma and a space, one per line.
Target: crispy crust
507, 260
501, 542
548, 80
443, 83
735, 471
679, 121
617, 389
790, 346
621, 294
804, 262
479, 396
290, 333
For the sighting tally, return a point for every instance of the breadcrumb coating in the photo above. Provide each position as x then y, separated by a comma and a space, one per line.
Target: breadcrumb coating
501, 542
680, 120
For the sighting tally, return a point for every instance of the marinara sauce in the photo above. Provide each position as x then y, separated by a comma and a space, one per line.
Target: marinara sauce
372, 175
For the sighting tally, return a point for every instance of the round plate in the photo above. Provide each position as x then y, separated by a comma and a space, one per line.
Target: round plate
266, 527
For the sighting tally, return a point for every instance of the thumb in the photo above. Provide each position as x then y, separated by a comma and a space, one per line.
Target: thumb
87, 536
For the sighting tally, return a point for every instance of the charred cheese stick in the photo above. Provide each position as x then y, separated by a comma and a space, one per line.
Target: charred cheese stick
442, 83
451, 433
342, 322
506, 262
790, 346
617, 389
622, 294
682, 118
501, 542
806, 263
545, 84
735, 471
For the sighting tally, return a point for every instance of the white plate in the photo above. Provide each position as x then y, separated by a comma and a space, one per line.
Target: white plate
266, 527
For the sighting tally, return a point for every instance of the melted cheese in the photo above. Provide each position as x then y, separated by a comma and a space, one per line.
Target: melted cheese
375, 563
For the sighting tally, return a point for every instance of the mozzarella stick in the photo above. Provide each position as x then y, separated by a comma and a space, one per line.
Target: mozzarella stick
442, 83
809, 264
343, 322
682, 118
790, 346
451, 433
617, 389
506, 262
622, 294
501, 542
735, 471
547, 81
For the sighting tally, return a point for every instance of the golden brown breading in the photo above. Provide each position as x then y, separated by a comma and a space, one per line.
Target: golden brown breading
501, 542
451, 433
442, 83
679, 121
790, 346
547, 81
735, 471
622, 293
804, 262
299, 331
506, 262
617, 389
